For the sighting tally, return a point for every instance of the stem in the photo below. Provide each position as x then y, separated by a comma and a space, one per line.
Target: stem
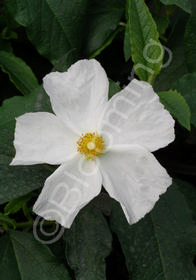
24, 224
31, 222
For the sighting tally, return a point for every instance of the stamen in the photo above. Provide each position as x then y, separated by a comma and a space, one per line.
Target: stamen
90, 145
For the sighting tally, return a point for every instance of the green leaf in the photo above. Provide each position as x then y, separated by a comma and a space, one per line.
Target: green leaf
183, 4
20, 180
6, 19
107, 43
174, 65
19, 72
187, 87
162, 23
146, 49
175, 103
64, 62
103, 18
6, 147
88, 243
190, 41
127, 43
113, 88
49, 21
176, 69
83, 25
8, 263
22, 257
163, 244
14, 107
17, 204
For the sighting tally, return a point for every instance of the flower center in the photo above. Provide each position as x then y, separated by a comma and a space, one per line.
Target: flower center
90, 145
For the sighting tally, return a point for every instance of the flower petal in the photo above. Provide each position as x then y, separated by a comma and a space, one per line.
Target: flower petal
136, 116
133, 177
78, 95
42, 138
68, 190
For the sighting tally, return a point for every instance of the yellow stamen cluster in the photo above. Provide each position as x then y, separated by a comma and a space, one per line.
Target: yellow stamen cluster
90, 145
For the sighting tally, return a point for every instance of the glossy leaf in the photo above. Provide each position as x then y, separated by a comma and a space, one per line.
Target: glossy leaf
102, 18
6, 148
175, 103
82, 25
14, 107
20, 180
146, 49
47, 22
8, 264
88, 243
183, 4
19, 72
174, 65
127, 43
64, 62
22, 257
186, 86
176, 69
162, 245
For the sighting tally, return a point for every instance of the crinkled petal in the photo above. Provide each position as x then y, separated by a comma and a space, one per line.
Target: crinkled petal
136, 116
42, 138
68, 190
134, 177
78, 95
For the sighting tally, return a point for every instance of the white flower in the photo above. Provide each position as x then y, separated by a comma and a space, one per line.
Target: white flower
96, 142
